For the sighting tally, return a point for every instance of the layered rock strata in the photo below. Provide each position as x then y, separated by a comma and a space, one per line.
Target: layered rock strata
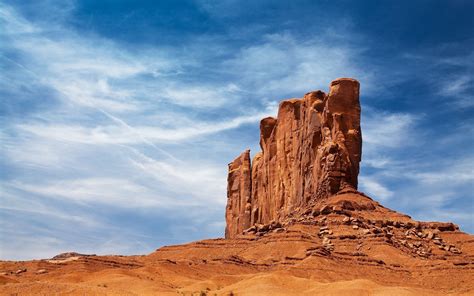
309, 152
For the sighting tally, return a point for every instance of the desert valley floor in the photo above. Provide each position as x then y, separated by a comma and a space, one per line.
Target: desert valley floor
350, 245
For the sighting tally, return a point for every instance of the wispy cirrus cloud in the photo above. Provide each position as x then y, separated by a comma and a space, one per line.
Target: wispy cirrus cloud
113, 134
374, 188
448, 74
281, 64
405, 167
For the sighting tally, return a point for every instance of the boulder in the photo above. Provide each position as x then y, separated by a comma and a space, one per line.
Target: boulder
21, 270
325, 210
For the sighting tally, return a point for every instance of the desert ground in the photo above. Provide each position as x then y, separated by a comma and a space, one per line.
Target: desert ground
351, 246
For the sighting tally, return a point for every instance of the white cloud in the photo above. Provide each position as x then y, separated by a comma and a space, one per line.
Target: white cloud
450, 75
390, 130
455, 173
199, 182
458, 87
13, 23
14, 202
201, 96
374, 188
81, 68
377, 161
281, 64
113, 134
109, 191
384, 133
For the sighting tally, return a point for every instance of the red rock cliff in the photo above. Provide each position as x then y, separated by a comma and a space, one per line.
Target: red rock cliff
310, 151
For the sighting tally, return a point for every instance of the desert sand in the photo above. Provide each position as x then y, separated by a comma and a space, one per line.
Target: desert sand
377, 252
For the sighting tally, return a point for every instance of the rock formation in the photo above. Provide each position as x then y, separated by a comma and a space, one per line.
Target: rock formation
309, 152
348, 244
297, 227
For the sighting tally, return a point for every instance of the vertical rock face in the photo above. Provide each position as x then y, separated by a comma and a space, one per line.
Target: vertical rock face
238, 195
310, 151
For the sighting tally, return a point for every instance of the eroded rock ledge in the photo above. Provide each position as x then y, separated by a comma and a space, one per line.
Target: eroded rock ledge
309, 152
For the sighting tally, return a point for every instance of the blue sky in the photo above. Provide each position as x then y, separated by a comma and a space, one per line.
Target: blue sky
119, 117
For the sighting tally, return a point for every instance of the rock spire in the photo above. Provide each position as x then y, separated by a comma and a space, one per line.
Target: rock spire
309, 152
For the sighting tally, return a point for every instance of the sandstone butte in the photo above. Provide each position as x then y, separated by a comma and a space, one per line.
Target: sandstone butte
296, 225
310, 152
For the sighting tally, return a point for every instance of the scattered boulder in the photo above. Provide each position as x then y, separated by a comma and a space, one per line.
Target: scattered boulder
455, 250
376, 230
278, 230
262, 227
327, 244
315, 212
347, 205
251, 229
41, 271
21, 270
325, 210
337, 209
274, 225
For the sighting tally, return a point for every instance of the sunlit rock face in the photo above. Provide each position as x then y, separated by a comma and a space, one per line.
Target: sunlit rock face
309, 152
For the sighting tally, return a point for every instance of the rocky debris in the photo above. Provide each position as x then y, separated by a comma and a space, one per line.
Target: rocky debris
67, 255
430, 235
309, 152
41, 271
21, 270
325, 210
347, 236
327, 244
251, 229
261, 229
441, 226
461, 263
417, 238
346, 220
318, 251
278, 230
424, 237
324, 230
